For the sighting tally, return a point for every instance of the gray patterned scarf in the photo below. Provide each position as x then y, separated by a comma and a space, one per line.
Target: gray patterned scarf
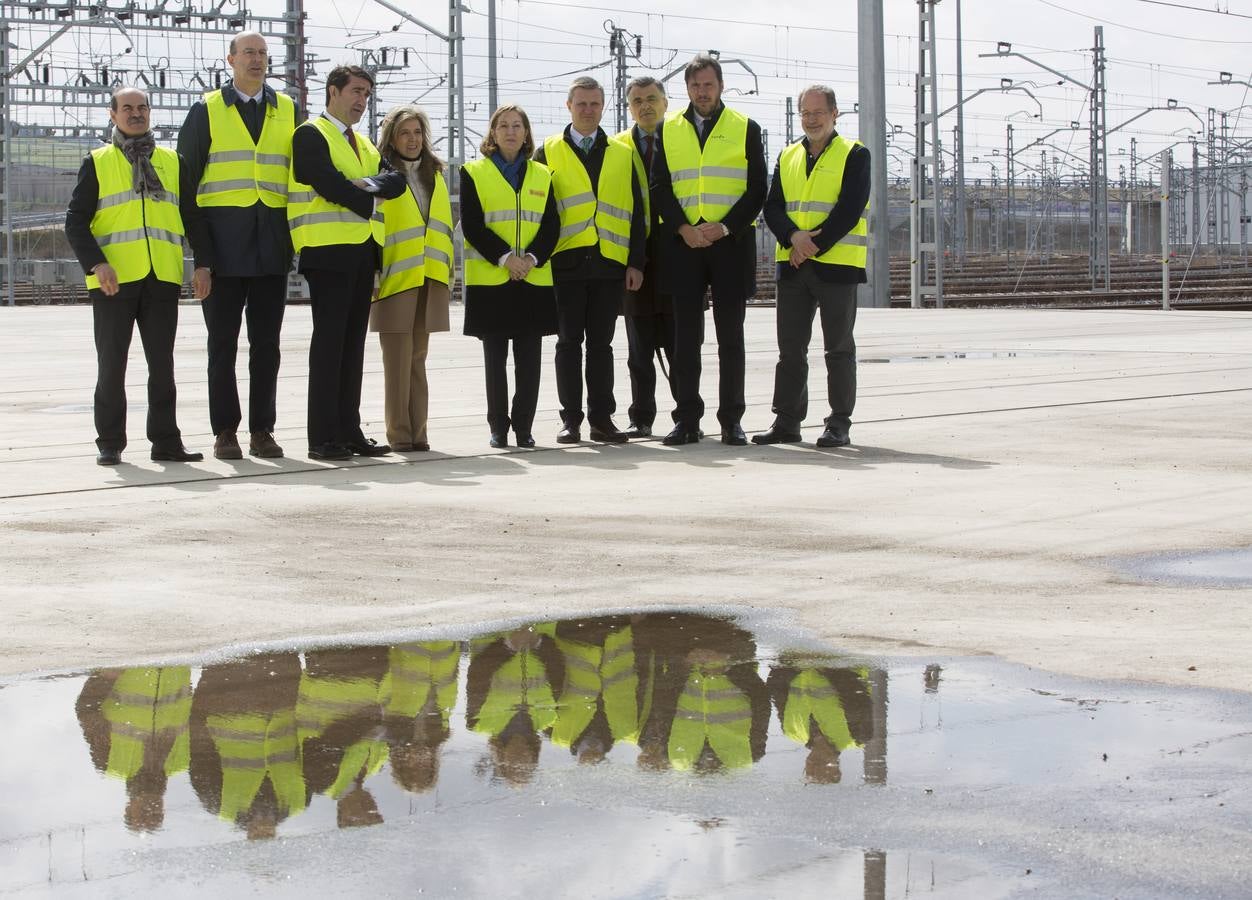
138, 152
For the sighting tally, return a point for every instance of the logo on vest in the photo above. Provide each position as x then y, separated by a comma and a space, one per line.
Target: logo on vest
535, 193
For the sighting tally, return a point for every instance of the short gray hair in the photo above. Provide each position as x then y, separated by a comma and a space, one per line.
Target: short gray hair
644, 81
824, 90
584, 83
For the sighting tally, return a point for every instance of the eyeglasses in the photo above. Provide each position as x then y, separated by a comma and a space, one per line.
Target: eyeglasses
251, 53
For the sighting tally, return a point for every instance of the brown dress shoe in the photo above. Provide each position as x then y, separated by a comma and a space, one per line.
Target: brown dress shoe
226, 446
262, 444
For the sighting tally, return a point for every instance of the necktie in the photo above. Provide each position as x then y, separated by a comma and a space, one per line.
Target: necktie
705, 127
348, 133
585, 144
649, 147
251, 118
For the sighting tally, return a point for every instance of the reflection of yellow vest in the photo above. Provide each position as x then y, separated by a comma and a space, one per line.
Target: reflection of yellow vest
239, 172
711, 709
513, 216
314, 220
627, 138
254, 747
810, 197
520, 685
138, 233
144, 705
592, 673
416, 672
588, 216
708, 182
325, 700
812, 698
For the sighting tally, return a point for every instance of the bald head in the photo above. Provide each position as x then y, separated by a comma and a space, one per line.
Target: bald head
249, 61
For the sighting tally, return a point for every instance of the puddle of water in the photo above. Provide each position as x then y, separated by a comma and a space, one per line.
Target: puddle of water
637, 755
1216, 568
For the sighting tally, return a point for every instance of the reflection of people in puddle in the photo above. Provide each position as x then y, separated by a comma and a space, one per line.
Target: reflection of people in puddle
509, 697
600, 697
245, 759
136, 725
825, 709
707, 708
420, 692
340, 718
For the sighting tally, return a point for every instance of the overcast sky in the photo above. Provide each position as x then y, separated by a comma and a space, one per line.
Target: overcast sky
1155, 53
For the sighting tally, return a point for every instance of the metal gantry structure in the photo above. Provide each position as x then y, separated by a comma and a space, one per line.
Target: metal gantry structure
925, 198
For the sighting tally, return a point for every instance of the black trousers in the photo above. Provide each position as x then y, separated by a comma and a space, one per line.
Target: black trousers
647, 334
722, 268
341, 314
800, 296
264, 299
154, 307
527, 353
586, 308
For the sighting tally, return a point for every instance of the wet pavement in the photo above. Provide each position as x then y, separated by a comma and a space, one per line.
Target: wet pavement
662, 753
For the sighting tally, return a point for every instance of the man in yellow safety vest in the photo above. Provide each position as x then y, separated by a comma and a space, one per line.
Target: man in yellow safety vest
130, 210
708, 186
236, 143
817, 210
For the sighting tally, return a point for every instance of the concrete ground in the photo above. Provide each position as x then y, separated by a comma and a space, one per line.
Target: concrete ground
1008, 468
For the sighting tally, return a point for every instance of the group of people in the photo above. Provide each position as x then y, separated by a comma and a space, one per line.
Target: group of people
560, 237
260, 736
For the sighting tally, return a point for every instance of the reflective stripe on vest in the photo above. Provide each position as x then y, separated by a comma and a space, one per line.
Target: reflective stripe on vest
812, 698
239, 172
512, 215
708, 182
810, 197
404, 246
325, 700
419, 675
253, 747
146, 705
137, 233
314, 220
627, 138
711, 710
589, 216
439, 253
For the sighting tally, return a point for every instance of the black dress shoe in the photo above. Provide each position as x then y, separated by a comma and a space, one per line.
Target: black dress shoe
607, 433
499, 439
526, 440
568, 435
639, 431
834, 437
109, 458
367, 447
776, 434
733, 436
682, 435
330, 452
175, 454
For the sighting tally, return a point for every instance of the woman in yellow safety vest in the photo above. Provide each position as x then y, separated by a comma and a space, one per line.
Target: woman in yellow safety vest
511, 227
412, 298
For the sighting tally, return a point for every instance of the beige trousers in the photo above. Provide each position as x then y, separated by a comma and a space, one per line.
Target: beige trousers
403, 325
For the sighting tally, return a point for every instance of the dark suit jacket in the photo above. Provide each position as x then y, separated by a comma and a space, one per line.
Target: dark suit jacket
312, 165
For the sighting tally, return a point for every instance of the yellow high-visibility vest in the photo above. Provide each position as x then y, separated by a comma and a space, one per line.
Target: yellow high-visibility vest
314, 220
138, 233
404, 246
513, 215
255, 747
144, 705
439, 252
588, 216
810, 196
594, 673
711, 709
240, 172
520, 685
812, 698
708, 182
627, 137
419, 673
